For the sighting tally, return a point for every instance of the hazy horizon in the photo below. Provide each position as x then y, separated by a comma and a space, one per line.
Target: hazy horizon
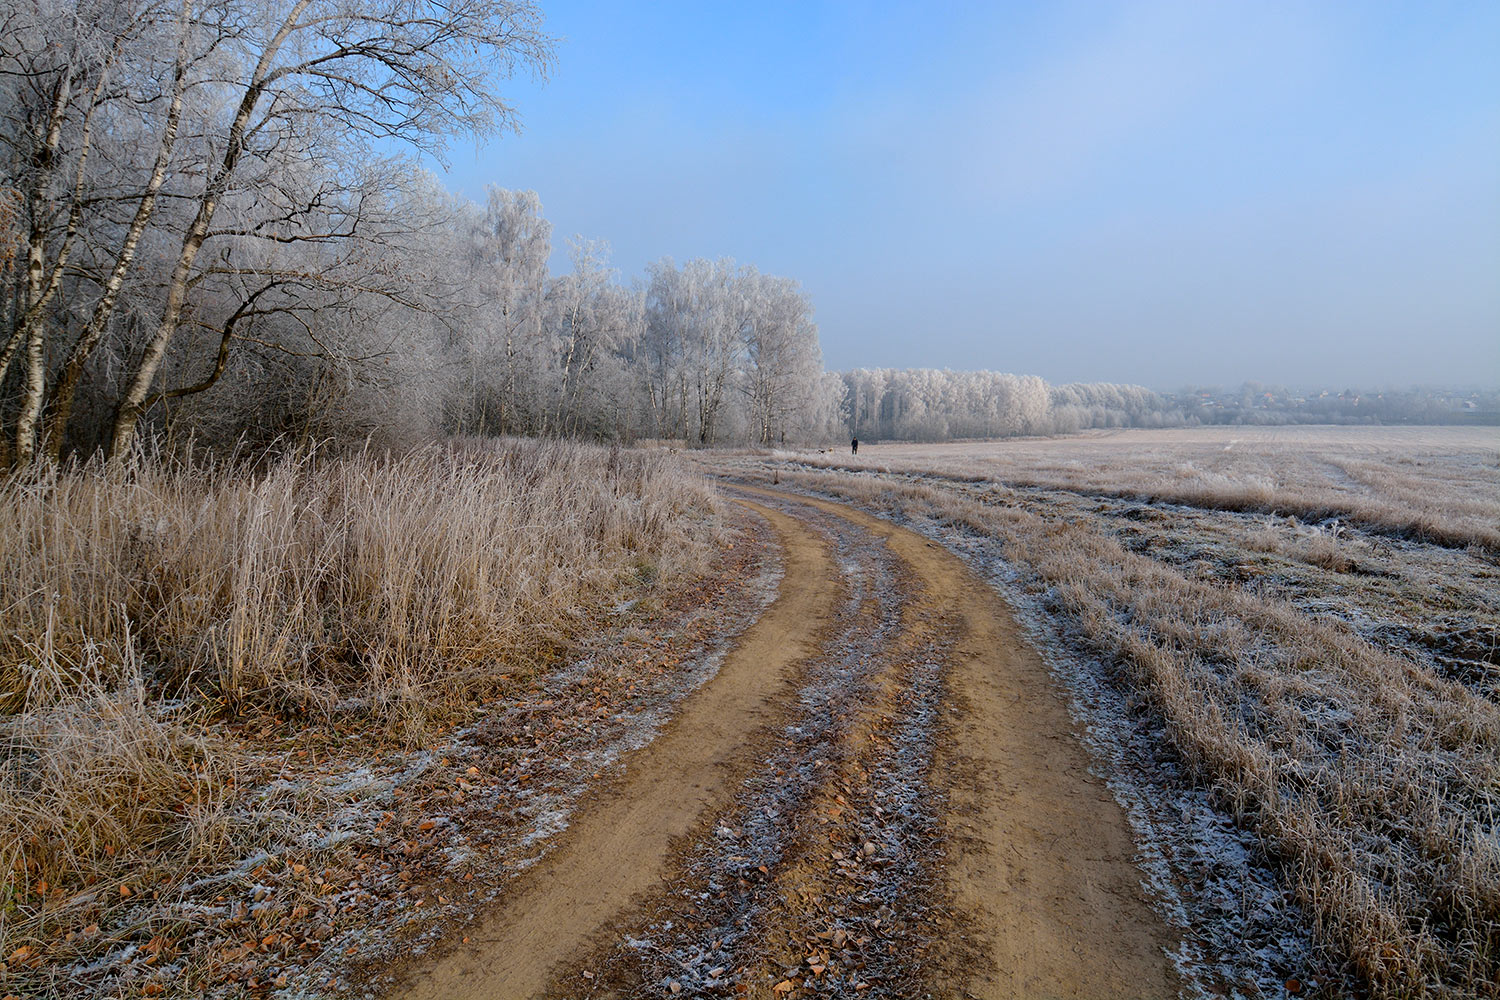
1157, 193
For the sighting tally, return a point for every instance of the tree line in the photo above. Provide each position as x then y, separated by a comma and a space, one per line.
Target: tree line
928, 404
212, 221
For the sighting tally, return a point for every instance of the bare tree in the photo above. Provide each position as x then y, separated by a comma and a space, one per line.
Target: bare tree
392, 69
55, 69
237, 110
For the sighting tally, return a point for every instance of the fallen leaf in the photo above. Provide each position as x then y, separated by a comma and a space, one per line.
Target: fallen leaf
785, 986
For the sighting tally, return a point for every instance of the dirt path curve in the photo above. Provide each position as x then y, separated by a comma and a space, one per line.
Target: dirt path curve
1044, 858
619, 844
880, 794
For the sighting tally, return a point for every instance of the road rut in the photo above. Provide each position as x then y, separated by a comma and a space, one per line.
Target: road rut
880, 794
619, 843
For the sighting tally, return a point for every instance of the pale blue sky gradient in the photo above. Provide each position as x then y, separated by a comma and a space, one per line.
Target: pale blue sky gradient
1148, 192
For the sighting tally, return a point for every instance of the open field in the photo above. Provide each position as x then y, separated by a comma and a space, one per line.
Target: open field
1439, 483
1290, 633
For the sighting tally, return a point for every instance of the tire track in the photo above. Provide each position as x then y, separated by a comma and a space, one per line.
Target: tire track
811, 874
881, 794
621, 841
1041, 858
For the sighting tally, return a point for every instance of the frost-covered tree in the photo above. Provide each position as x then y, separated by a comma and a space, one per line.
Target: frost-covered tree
504, 343
157, 146
596, 322
783, 363
925, 404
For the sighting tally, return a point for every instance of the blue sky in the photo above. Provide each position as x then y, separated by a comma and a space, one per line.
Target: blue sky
1160, 193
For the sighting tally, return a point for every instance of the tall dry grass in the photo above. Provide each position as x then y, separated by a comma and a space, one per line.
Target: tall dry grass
143, 606
1373, 780
358, 584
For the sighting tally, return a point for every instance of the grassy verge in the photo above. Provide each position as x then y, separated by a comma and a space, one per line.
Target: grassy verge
155, 614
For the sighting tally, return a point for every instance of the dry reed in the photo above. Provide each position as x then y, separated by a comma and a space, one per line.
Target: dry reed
144, 606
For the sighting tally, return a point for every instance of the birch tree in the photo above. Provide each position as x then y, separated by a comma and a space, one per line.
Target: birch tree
414, 71
201, 130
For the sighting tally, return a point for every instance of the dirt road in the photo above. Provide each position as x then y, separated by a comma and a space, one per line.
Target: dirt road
879, 794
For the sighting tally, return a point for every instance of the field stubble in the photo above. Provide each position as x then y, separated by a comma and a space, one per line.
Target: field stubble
1306, 620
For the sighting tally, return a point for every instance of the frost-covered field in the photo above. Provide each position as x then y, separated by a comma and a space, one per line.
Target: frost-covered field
1442, 482
1285, 646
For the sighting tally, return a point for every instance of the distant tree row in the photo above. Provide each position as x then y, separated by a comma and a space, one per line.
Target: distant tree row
1257, 403
926, 404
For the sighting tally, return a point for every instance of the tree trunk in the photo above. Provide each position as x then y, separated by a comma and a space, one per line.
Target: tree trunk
128, 413
11, 346
43, 160
60, 410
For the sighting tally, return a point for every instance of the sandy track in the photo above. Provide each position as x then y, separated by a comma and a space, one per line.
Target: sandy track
620, 842
925, 826
1043, 854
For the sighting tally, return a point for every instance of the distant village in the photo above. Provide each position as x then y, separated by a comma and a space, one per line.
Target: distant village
1253, 403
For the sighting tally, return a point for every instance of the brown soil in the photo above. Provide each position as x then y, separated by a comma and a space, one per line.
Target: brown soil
1029, 865
1044, 854
620, 843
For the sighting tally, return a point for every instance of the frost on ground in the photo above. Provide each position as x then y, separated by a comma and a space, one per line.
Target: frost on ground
545, 751
1241, 935
1292, 693
375, 853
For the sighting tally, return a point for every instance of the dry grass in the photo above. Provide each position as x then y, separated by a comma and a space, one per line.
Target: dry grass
146, 607
383, 587
1367, 772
